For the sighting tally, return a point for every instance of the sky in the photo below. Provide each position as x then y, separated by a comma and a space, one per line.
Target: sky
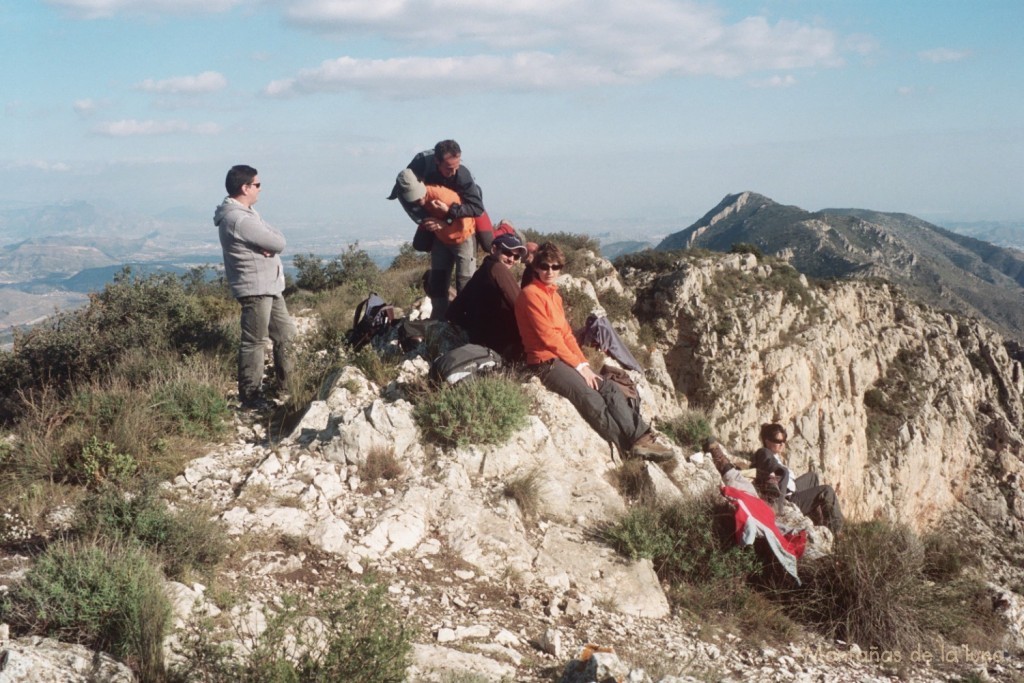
595, 116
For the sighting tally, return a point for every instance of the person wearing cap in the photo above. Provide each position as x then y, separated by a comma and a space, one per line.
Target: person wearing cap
485, 308
442, 166
453, 246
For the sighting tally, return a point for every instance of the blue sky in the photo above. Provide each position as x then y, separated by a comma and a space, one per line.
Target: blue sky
585, 115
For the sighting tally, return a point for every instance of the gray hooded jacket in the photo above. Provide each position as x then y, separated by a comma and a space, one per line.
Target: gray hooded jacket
252, 262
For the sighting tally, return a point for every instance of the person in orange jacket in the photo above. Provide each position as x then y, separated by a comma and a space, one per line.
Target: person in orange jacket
453, 244
552, 353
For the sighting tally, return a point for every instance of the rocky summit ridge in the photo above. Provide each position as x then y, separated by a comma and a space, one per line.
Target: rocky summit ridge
945, 269
916, 415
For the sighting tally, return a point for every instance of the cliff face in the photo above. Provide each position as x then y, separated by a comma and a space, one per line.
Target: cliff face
914, 414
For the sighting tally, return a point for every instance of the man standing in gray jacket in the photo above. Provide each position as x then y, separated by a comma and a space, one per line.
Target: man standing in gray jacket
252, 265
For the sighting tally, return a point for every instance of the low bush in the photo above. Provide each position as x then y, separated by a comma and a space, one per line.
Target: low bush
525, 490
566, 241
185, 539
410, 259
381, 463
578, 306
619, 307
690, 542
649, 260
688, 429
746, 248
157, 313
875, 590
347, 635
353, 267
630, 479
480, 410
379, 370
107, 596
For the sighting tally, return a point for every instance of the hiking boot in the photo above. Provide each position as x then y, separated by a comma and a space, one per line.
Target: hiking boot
648, 448
257, 404
718, 457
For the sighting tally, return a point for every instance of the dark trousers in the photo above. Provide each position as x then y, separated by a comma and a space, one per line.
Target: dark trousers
817, 501
606, 410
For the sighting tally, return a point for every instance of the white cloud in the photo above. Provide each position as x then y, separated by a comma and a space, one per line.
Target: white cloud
85, 107
775, 82
94, 9
40, 165
131, 127
554, 44
206, 82
942, 55
418, 76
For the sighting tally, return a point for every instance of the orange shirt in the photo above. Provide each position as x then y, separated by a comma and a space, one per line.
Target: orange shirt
460, 229
545, 331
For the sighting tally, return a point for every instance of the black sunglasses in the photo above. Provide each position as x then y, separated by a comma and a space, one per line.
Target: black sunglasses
509, 252
549, 266
781, 441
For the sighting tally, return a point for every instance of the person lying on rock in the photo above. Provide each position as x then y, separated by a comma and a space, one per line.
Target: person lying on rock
775, 482
485, 308
553, 354
731, 474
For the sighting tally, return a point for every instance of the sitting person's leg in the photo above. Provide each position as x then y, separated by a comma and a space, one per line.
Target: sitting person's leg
819, 503
565, 381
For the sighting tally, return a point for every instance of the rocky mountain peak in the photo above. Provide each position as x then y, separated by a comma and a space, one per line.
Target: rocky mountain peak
947, 271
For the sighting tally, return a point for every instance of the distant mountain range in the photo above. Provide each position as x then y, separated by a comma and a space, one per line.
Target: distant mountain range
942, 268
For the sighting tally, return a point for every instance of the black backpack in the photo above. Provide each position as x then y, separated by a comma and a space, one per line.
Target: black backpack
462, 362
372, 316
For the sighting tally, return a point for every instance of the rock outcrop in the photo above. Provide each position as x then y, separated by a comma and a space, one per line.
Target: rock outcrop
913, 414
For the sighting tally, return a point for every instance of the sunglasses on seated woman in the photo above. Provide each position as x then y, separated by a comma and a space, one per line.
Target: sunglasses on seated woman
549, 266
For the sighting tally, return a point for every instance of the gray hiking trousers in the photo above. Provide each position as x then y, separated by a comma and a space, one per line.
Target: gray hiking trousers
606, 410
263, 317
817, 501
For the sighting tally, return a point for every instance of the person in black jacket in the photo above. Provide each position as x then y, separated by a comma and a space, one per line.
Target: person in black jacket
485, 308
443, 166
774, 481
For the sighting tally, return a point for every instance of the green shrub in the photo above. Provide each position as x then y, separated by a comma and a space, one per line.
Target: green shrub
688, 542
353, 267
619, 307
106, 596
193, 408
478, 410
184, 539
746, 248
688, 430
650, 260
578, 305
567, 241
378, 370
156, 313
410, 259
100, 461
349, 635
